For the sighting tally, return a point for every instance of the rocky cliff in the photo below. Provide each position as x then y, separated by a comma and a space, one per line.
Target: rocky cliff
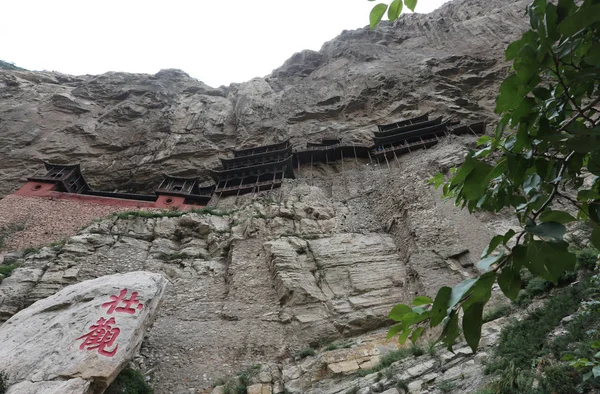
323, 258
128, 129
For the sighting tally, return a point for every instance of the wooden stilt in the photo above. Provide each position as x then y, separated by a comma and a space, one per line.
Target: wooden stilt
472, 131
354, 148
239, 188
396, 157
311, 171
255, 188
386, 160
370, 159
408, 146
423, 142
273, 182
281, 186
342, 157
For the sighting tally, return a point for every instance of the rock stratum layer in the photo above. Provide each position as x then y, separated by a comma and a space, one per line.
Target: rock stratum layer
128, 129
326, 256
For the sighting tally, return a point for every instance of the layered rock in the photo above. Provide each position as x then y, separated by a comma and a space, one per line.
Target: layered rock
128, 129
259, 277
80, 338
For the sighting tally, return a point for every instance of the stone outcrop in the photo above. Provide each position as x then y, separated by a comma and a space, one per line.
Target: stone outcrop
129, 129
260, 277
80, 338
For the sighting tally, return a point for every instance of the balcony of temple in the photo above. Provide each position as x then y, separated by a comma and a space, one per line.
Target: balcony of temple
253, 178
260, 157
66, 178
177, 191
392, 126
418, 135
329, 149
262, 149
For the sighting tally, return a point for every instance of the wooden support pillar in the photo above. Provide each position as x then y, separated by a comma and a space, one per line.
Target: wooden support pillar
354, 148
370, 159
281, 186
239, 188
423, 142
472, 131
387, 161
311, 171
408, 146
273, 182
396, 157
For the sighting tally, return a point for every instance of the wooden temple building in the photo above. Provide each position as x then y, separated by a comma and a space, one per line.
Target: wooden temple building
254, 169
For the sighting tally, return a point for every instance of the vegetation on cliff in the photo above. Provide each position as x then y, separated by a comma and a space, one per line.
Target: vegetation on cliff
543, 163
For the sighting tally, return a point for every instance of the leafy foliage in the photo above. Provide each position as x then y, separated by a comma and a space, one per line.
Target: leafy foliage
394, 9
546, 141
391, 357
129, 381
3, 382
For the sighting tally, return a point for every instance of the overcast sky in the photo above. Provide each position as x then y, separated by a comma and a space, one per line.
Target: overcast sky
214, 41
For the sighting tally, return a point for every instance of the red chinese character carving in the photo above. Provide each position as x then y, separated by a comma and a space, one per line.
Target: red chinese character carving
130, 304
101, 337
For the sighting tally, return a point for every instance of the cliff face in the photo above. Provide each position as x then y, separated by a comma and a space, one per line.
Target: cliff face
324, 257
128, 129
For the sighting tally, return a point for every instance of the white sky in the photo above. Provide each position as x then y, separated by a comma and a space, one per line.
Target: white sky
214, 41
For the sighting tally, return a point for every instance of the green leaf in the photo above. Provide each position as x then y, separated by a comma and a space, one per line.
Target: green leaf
584, 143
394, 330
596, 371
416, 334
517, 167
593, 56
596, 237
472, 321
376, 14
484, 264
593, 164
541, 93
484, 139
437, 180
548, 229
404, 336
411, 4
422, 300
509, 281
460, 290
482, 290
557, 216
451, 331
394, 10
508, 98
549, 259
440, 306
398, 312
579, 20
511, 52
496, 240
477, 181
594, 211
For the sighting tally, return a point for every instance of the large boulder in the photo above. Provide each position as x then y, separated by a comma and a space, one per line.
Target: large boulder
79, 339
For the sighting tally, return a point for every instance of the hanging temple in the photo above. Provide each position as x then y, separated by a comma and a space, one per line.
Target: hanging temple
251, 170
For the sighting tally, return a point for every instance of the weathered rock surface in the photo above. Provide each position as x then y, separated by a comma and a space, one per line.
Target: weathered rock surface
128, 129
325, 257
80, 337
